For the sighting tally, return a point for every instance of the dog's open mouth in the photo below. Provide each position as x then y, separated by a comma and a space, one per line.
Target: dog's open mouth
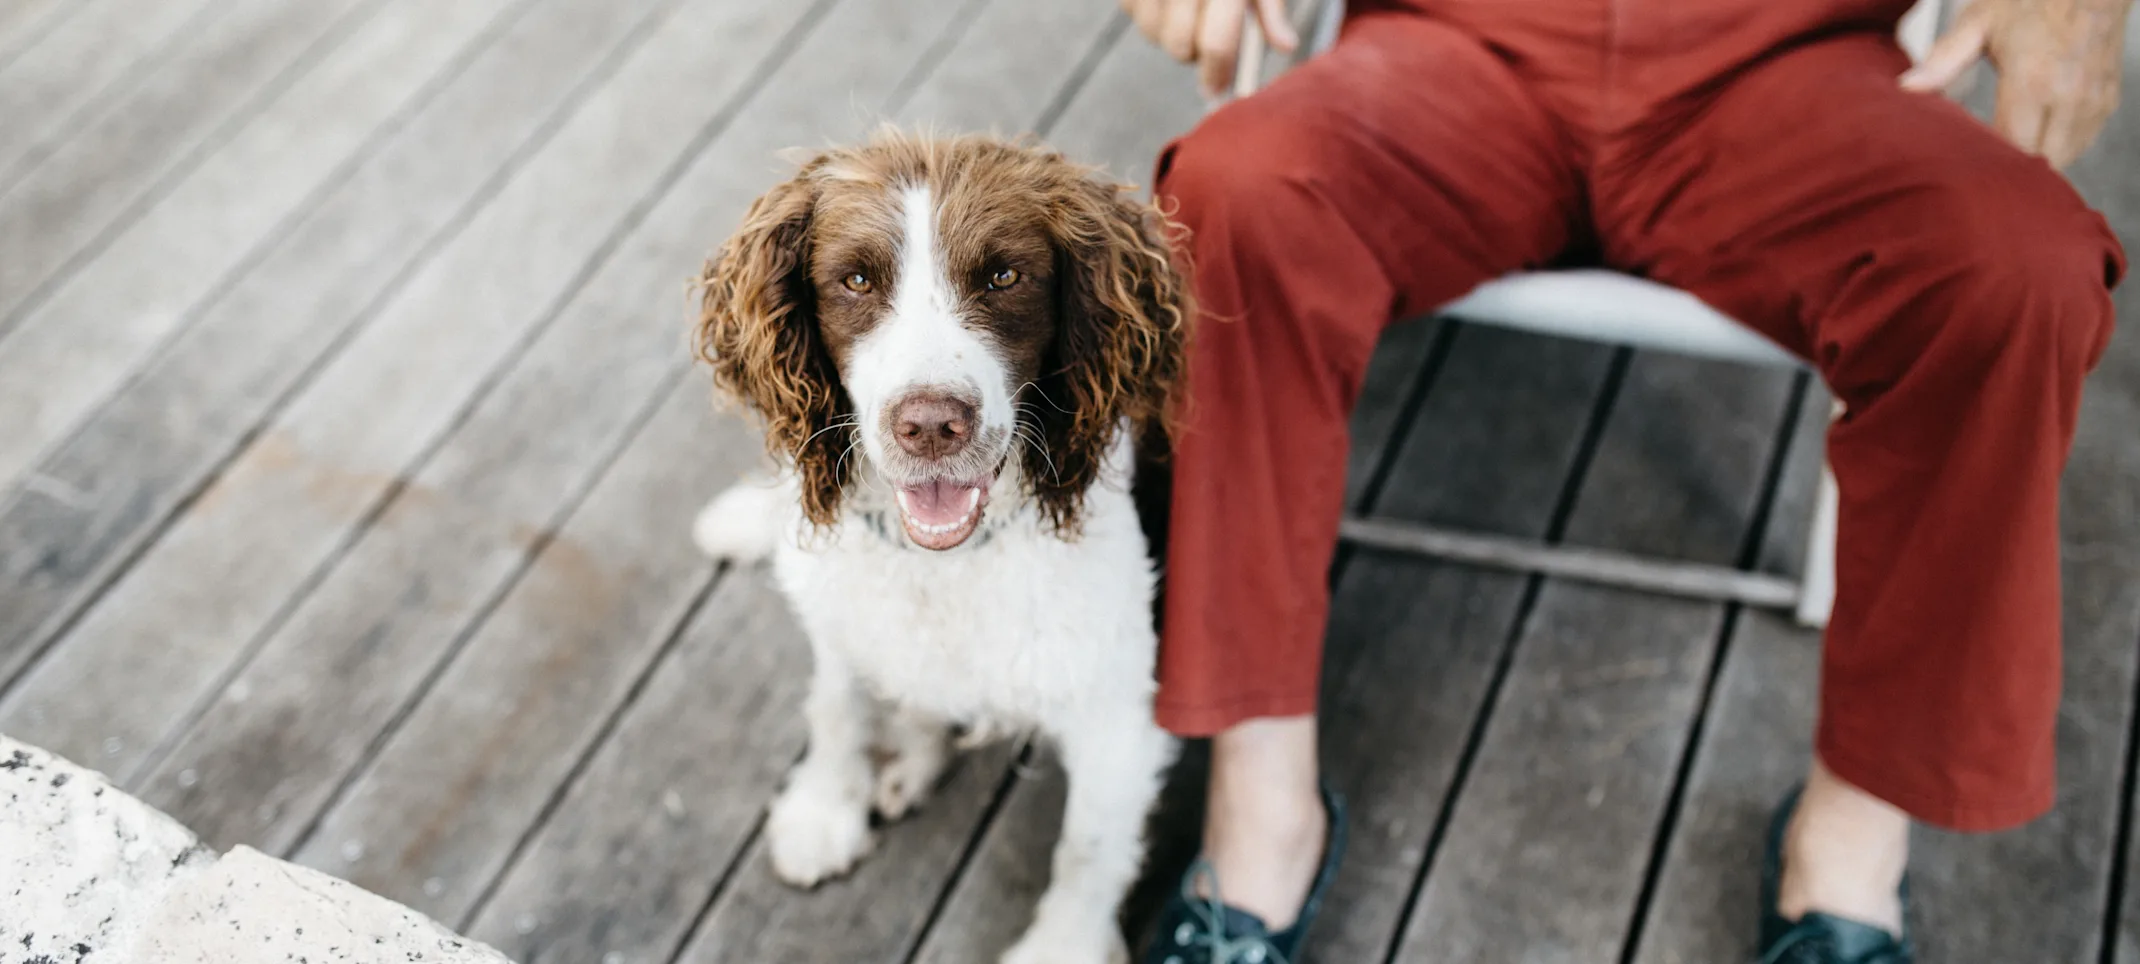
941, 513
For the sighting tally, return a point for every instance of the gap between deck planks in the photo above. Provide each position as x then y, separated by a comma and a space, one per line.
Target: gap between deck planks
113, 485
58, 213
294, 502
58, 85
2102, 522
114, 312
25, 22
287, 503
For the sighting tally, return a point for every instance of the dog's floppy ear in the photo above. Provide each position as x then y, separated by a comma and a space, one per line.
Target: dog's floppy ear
758, 329
1122, 342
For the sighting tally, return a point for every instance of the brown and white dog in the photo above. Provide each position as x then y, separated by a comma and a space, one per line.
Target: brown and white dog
956, 346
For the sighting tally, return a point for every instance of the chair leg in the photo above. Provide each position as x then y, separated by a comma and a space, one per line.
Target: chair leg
1816, 599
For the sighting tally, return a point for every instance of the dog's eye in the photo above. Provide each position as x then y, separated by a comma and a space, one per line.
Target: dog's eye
1003, 279
858, 283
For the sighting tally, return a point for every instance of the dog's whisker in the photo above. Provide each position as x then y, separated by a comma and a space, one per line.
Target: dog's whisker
839, 466
1035, 386
1025, 435
850, 421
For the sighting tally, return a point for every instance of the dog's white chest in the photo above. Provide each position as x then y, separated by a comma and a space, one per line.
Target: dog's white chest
1022, 629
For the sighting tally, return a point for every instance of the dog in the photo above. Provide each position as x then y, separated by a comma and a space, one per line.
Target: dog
962, 349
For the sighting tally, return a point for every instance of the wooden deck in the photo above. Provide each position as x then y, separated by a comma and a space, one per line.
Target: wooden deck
350, 442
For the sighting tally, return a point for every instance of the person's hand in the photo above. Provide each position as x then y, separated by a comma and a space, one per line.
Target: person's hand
2058, 63
1207, 33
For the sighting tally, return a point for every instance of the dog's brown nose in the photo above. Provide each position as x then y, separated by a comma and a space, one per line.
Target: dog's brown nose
933, 425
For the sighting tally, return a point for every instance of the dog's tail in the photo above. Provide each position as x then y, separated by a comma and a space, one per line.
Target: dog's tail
743, 523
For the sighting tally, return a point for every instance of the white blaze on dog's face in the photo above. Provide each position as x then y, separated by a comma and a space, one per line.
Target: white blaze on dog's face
936, 324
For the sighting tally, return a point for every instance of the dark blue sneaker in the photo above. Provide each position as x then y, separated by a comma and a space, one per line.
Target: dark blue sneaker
1818, 938
1199, 928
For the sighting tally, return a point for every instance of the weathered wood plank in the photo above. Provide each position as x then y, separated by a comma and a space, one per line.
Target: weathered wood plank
1137, 99
508, 769
428, 569
1550, 837
876, 914
110, 486
992, 901
1389, 392
2114, 402
1006, 68
290, 504
1756, 741
110, 314
51, 90
454, 788
1413, 645
669, 802
1003, 66
2104, 454
25, 22
101, 177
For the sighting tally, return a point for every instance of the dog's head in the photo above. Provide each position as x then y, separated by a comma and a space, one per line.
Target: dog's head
961, 312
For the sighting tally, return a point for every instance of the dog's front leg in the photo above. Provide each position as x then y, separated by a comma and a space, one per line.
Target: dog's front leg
819, 825
1114, 761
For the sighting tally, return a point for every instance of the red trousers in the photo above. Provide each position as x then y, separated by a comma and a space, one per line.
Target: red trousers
1951, 290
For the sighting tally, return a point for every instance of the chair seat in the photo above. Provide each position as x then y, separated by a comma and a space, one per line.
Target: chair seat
1595, 304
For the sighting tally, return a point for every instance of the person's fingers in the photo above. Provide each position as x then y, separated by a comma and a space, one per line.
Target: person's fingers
2020, 115
1952, 54
1218, 45
1277, 27
1177, 30
1148, 15
2062, 140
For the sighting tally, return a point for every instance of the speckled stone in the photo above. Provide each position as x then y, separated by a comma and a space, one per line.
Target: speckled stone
250, 908
82, 865
89, 875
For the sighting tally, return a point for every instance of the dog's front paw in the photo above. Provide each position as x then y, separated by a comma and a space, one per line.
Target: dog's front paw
814, 837
1041, 947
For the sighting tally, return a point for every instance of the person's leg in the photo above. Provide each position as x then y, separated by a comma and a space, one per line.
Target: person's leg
1384, 177
1952, 292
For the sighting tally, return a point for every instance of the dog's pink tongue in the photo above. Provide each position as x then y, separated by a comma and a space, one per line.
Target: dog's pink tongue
938, 503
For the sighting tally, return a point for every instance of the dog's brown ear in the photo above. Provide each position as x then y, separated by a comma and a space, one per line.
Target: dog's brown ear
1123, 339
758, 330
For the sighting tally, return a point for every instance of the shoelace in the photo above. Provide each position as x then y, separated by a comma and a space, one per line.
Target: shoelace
1212, 939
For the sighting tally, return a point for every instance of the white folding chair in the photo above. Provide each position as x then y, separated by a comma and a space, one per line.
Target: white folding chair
1607, 306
